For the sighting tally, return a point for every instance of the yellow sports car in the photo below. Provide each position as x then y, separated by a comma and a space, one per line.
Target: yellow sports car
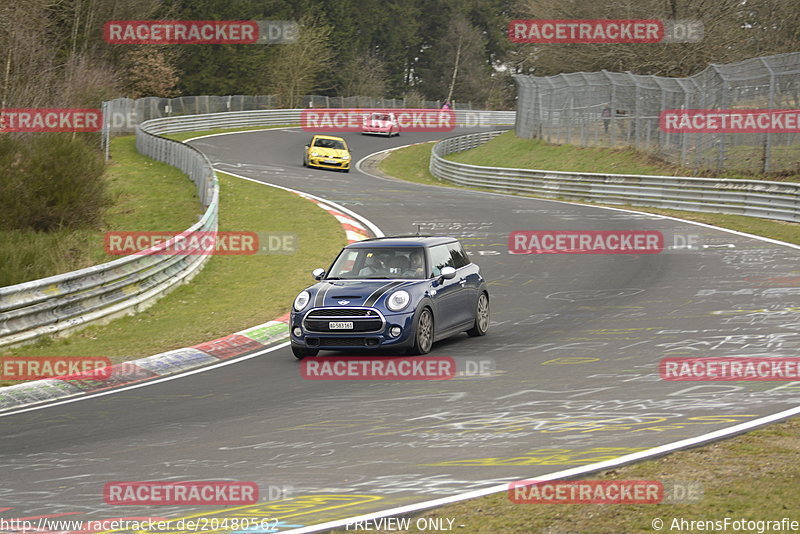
327, 152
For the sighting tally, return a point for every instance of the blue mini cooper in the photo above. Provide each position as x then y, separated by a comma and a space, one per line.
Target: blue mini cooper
392, 292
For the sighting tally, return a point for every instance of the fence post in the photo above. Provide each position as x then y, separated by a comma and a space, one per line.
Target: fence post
765, 167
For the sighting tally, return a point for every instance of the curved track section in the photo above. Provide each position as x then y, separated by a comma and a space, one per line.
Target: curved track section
575, 339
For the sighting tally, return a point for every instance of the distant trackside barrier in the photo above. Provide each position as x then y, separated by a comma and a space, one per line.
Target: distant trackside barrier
754, 198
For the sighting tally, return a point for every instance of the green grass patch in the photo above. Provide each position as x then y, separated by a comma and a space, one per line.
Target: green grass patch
146, 194
411, 163
508, 150
183, 136
231, 293
752, 476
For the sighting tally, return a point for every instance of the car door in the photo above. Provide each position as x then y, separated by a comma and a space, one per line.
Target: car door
468, 277
449, 293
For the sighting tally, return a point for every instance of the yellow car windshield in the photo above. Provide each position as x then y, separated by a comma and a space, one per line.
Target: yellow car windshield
329, 143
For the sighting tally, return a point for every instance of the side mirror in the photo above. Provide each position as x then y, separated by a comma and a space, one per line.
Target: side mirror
448, 273
318, 273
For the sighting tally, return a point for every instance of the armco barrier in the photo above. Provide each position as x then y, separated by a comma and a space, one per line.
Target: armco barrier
60, 303
291, 117
754, 198
102, 292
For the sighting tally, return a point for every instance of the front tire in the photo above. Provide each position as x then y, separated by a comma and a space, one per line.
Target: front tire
423, 339
481, 317
303, 352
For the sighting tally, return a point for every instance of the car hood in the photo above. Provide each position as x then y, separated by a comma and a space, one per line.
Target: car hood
378, 124
329, 152
355, 292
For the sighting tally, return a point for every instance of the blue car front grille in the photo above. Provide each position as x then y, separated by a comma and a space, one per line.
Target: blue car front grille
363, 319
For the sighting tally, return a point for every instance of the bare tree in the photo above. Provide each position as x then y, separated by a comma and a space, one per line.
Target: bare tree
364, 75
296, 68
151, 71
734, 30
457, 66
52, 53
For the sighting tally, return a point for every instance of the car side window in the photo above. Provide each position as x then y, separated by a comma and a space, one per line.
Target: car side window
460, 258
440, 258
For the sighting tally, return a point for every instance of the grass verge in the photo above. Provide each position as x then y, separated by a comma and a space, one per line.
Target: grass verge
752, 476
233, 292
147, 195
183, 136
508, 150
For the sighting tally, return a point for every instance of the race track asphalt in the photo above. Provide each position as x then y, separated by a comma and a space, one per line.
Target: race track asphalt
575, 341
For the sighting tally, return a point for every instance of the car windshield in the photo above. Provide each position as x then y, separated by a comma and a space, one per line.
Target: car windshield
379, 262
380, 117
329, 143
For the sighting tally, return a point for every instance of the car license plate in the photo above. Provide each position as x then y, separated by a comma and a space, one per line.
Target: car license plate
341, 325
330, 161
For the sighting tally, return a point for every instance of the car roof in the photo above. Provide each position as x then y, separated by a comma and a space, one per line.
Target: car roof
403, 241
328, 137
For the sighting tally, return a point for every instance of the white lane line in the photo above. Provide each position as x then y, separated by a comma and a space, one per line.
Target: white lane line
149, 382
241, 132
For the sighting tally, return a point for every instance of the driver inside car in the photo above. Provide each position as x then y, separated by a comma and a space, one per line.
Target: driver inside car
375, 264
416, 269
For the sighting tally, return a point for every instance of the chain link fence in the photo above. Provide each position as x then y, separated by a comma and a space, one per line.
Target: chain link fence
124, 114
623, 109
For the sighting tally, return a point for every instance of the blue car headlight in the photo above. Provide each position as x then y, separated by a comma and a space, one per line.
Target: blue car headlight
398, 300
301, 300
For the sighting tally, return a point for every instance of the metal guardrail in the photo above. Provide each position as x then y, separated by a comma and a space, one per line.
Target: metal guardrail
754, 198
291, 117
56, 304
63, 302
